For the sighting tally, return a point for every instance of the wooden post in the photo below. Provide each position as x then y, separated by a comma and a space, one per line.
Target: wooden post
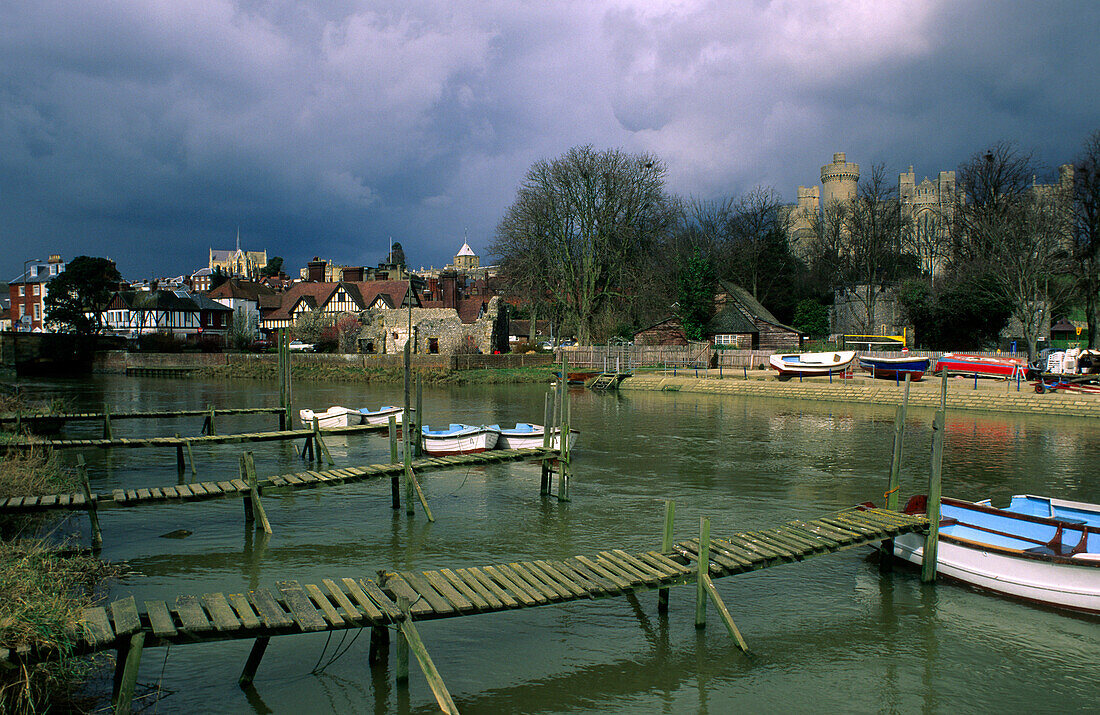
395, 487
666, 547
724, 613
418, 419
259, 646
928, 561
254, 491
179, 456
190, 457
379, 644
420, 494
107, 434
566, 467
943, 390
431, 674
93, 513
701, 573
129, 660
322, 448
401, 668
406, 456
213, 427
249, 512
547, 432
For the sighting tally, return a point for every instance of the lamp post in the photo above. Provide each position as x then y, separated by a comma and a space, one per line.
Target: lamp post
26, 286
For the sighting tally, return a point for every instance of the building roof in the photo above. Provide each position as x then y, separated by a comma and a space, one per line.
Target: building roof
465, 250
175, 301
363, 293
244, 290
739, 313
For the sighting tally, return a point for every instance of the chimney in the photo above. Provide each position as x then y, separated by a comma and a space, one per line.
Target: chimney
54, 258
315, 270
353, 273
450, 287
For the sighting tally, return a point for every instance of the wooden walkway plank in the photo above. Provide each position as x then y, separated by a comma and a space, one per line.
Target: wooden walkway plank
639, 565
322, 601
795, 551
384, 602
635, 574
568, 588
567, 575
673, 568
842, 538
476, 576
269, 609
534, 580
191, 615
828, 541
160, 620
748, 560
481, 600
350, 612
811, 544
752, 547
97, 627
441, 584
865, 532
364, 601
424, 589
754, 537
245, 613
613, 576
300, 607
717, 564
220, 613
417, 606
521, 593
607, 585
124, 616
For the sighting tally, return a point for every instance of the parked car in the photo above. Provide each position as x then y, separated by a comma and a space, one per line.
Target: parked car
299, 346
262, 345
569, 343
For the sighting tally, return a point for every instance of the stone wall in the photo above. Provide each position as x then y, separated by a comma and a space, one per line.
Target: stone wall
437, 330
849, 313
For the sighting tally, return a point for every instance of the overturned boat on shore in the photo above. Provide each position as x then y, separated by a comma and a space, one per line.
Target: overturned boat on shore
789, 365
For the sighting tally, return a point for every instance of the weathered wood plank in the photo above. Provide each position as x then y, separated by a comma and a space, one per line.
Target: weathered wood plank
421, 602
652, 575
444, 587
321, 600
596, 576
521, 593
300, 607
568, 575
143, 494
380, 598
191, 614
610, 575
160, 620
350, 612
97, 627
480, 601
220, 612
568, 588
245, 613
124, 616
519, 572
475, 576
269, 609
364, 601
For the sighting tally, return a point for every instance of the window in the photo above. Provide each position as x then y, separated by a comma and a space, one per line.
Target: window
37, 311
726, 340
433, 346
35, 289
22, 291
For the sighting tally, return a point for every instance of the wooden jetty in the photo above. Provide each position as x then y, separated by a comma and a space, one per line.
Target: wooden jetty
161, 371
139, 442
197, 491
395, 600
139, 415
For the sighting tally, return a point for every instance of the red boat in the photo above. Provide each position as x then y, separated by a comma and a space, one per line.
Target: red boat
959, 364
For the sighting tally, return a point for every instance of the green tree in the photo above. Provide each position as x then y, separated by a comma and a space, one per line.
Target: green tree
218, 277
1086, 233
695, 295
273, 268
77, 297
811, 318
580, 232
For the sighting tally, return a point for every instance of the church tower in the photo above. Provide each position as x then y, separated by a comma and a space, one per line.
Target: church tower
466, 259
838, 180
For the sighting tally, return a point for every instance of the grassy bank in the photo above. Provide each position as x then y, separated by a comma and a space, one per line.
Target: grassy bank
382, 375
44, 587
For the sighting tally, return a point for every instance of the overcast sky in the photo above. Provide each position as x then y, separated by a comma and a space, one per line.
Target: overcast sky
149, 131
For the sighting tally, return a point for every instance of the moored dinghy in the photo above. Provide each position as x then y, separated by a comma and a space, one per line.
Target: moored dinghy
811, 364
1055, 562
381, 416
460, 439
894, 368
526, 436
334, 416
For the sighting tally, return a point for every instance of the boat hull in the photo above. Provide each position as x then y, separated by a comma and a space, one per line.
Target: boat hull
331, 418
514, 439
466, 442
895, 368
811, 364
1053, 584
981, 366
382, 416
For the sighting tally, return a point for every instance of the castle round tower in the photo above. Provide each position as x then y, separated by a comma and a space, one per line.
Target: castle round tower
839, 180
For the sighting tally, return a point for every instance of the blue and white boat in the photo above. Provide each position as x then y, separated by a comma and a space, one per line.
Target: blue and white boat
894, 368
382, 415
812, 364
1052, 561
1063, 510
460, 439
526, 436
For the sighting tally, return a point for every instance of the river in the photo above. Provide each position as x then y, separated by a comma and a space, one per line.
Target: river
829, 634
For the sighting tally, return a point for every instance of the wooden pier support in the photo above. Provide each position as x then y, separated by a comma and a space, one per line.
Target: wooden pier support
126, 673
259, 647
724, 613
410, 641
395, 480
107, 434
420, 493
253, 507
180, 466
547, 424
406, 425
418, 434
401, 667
666, 547
931, 541
93, 515
886, 555
702, 564
322, 448
379, 644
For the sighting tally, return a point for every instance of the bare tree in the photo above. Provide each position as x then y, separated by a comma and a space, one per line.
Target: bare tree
1015, 232
580, 229
929, 238
1086, 233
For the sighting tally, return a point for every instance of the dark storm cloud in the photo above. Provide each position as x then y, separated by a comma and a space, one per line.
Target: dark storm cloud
149, 131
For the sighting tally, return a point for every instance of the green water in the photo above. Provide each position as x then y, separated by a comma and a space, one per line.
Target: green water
830, 634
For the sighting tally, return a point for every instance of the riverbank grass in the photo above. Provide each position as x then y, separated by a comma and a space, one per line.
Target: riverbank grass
318, 372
